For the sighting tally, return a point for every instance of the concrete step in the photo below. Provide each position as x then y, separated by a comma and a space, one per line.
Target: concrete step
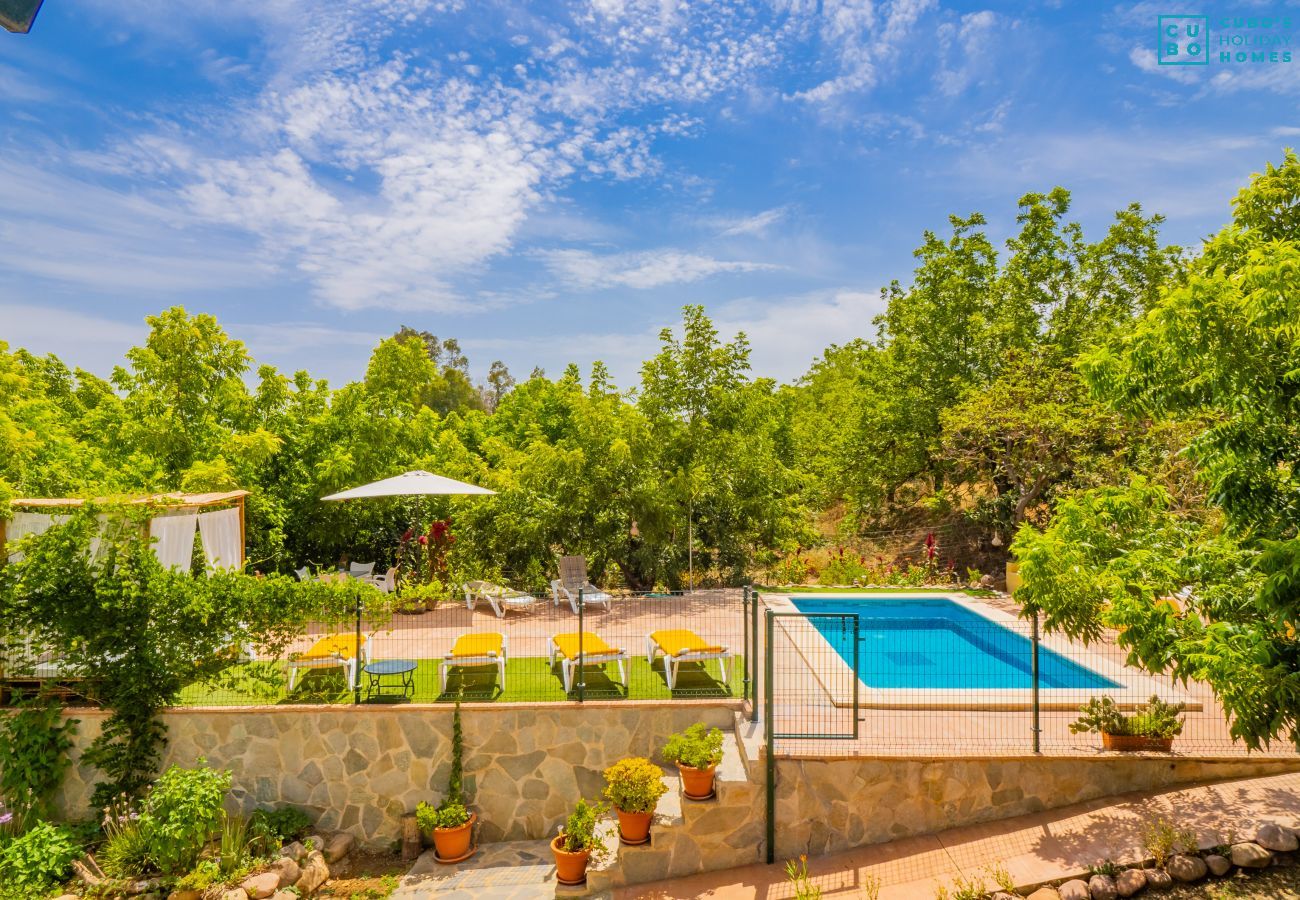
682, 841
750, 742
511, 870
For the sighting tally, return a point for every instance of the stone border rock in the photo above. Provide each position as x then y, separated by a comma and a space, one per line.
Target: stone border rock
299, 871
1274, 844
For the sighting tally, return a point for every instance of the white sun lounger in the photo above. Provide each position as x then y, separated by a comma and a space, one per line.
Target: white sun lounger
501, 599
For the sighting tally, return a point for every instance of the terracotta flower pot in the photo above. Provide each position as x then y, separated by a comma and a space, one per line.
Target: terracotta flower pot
697, 784
634, 827
1136, 742
570, 868
453, 843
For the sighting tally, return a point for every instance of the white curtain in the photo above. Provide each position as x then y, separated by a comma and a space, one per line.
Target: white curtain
25, 523
220, 533
174, 538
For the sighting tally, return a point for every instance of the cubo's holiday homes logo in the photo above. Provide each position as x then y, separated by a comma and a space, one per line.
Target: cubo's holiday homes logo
1182, 41
1256, 39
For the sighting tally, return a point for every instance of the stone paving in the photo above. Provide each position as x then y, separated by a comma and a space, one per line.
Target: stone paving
1033, 849
514, 870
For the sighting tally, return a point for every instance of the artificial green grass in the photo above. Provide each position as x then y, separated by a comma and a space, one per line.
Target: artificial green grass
529, 679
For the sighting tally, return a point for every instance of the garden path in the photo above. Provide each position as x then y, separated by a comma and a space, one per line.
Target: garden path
1033, 849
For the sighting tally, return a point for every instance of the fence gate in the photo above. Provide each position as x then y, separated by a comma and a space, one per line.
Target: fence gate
809, 686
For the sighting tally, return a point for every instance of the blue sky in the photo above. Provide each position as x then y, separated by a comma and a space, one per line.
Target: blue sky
551, 182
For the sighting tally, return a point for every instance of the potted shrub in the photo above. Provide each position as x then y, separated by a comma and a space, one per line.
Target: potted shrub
450, 824
696, 753
577, 845
1152, 726
634, 786
414, 599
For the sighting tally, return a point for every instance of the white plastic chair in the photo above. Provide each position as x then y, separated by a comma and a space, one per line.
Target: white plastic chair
573, 578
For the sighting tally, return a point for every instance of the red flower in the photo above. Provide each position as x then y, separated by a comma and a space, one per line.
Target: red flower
423, 540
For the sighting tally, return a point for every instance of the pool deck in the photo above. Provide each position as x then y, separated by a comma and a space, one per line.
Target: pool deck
813, 683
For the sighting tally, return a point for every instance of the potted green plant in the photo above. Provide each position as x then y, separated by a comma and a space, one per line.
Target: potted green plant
634, 786
696, 753
1152, 726
450, 824
578, 845
419, 597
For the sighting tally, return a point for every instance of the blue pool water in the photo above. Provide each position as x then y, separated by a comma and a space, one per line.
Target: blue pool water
905, 642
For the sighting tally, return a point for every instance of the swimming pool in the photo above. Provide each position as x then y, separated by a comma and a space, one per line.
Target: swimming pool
938, 643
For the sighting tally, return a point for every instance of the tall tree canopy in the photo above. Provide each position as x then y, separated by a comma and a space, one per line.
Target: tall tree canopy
1220, 351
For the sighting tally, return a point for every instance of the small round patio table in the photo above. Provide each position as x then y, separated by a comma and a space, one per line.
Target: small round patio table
401, 669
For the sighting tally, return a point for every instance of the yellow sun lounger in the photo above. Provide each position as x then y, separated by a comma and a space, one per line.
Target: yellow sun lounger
595, 652
476, 650
683, 645
330, 651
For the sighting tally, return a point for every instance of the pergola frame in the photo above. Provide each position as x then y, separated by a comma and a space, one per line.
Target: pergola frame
175, 500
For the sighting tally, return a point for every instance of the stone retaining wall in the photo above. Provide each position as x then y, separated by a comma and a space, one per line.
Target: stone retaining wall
359, 769
825, 806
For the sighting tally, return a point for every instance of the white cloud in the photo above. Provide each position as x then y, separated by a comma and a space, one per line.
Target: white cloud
90, 342
863, 39
1186, 179
757, 224
966, 47
786, 335
1145, 59
455, 177
77, 232
648, 269
384, 181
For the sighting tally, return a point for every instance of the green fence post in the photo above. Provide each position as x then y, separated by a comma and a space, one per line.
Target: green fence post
744, 615
582, 684
356, 658
756, 688
856, 648
769, 733
1037, 725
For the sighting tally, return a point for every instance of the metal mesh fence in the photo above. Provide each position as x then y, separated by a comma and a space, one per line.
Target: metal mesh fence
503, 648
953, 676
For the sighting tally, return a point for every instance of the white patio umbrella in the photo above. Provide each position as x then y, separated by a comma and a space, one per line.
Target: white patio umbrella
410, 484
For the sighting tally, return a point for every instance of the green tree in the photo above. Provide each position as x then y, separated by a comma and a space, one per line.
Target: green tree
1032, 429
1219, 348
184, 392
91, 592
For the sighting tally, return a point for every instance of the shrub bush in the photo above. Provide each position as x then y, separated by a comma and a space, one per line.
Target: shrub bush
1155, 718
37, 860
579, 831
182, 813
634, 785
695, 747
450, 814
286, 823
34, 744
